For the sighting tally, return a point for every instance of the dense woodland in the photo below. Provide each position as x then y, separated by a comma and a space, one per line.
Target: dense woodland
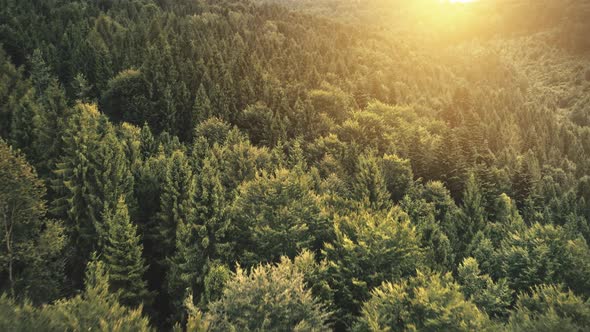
285, 165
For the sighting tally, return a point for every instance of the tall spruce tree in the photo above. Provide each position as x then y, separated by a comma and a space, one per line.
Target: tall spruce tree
369, 185
177, 203
74, 188
122, 256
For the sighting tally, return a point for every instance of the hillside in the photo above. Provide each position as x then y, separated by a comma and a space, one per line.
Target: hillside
278, 165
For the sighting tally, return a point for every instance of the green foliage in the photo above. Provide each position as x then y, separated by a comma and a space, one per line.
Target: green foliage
493, 298
96, 308
124, 100
270, 297
398, 176
427, 302
271, 127
215, 281
473, 216
30, 246
122, 256
369, 248
369, 185
93, 172
277, 214
177, 205
548, 308
544, 255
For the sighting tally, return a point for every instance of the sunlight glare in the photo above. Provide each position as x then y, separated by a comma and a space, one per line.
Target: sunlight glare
457, 1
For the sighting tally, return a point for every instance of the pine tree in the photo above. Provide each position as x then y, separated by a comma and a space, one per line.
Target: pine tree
369, 184
493, 298
22, 126
202, 108
122, 256
96, 308
201, 240
74, 187
92, 171
40, 73
398, 176
177, 205
472, 218
212, 225
82, 89
50, 124
111, 176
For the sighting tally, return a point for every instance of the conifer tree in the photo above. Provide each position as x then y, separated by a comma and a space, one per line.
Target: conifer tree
549, 308
96, 308
177, 203
50, 124
112, 177
493, 298
40, 73
472, 218
22, 125
122, 256
74, 187
212, 225
398, 176
369, 184
202, 108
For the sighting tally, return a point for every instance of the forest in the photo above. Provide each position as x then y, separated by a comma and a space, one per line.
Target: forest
294, 165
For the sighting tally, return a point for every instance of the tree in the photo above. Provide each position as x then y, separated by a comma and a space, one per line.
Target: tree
544, 254
50, 124
270, 297
177, 205
369, 185
426, 302
18, 105
22, 126
93, 171
172, 233
41, 76
398, 176
472, 218
277, 214
202, 239
369, 248
125, 98
256, 120
122, 256
82, 89
214, 129
490, 297
202, 108
96, 308
215, 281
548, 308
30, 246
